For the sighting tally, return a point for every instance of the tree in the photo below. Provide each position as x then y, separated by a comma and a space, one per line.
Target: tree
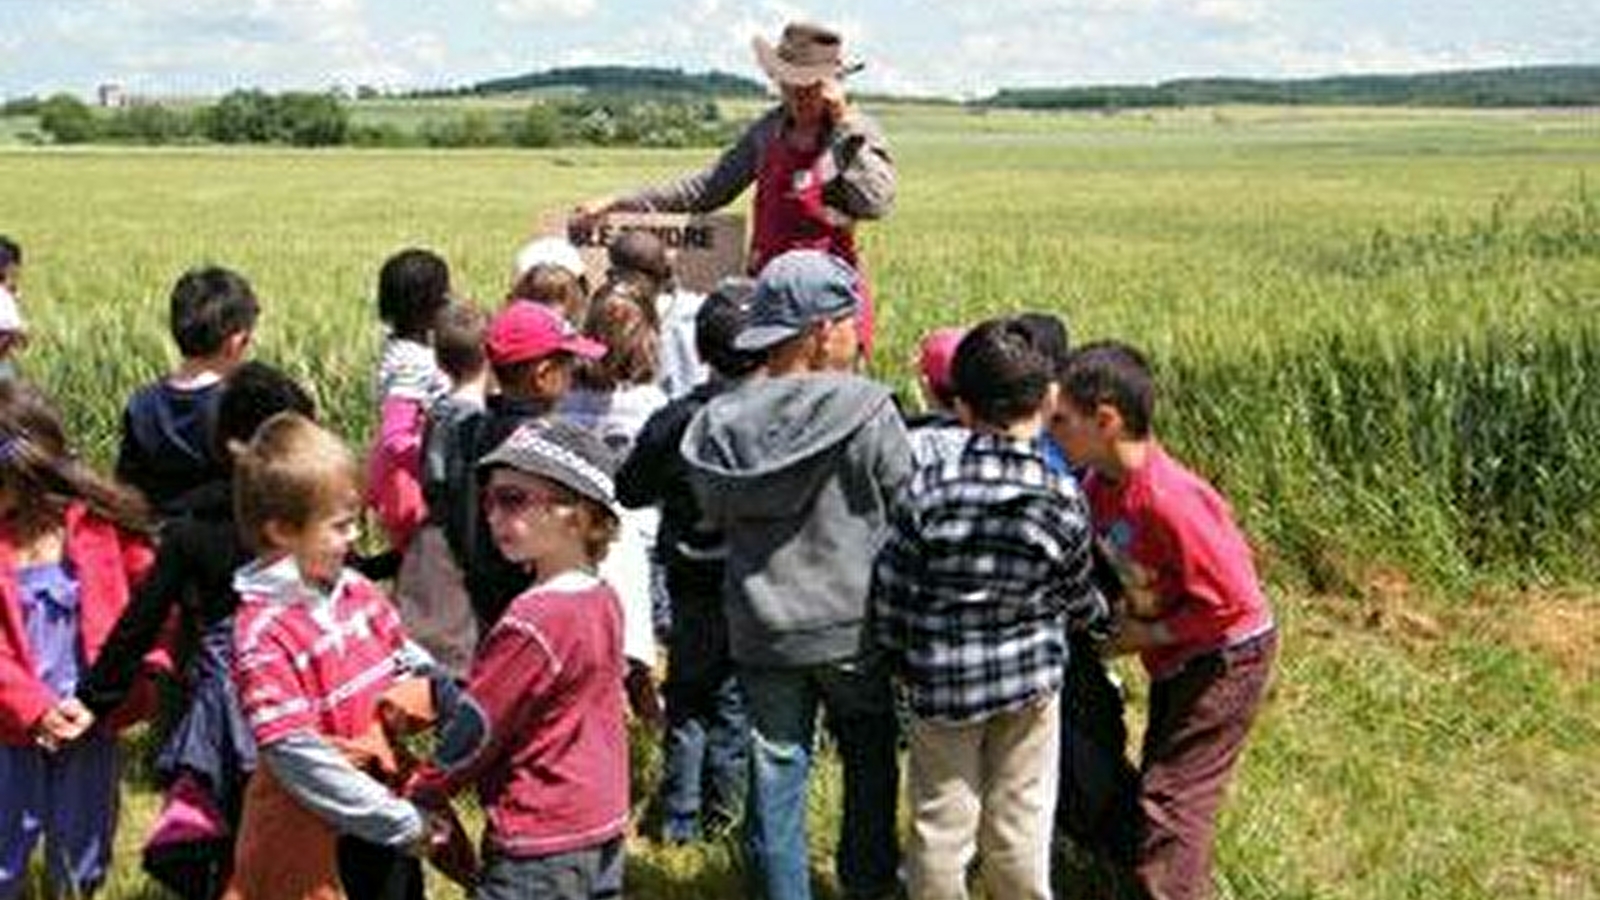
241, 117
148, 124
540, 126
67, 119
21, 106
312, 120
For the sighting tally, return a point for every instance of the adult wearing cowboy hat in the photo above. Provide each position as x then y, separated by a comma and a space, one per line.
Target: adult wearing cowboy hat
819, 165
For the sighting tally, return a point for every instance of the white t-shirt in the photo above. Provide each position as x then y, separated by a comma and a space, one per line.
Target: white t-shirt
681, 368
616, 416
10, 312
407, 370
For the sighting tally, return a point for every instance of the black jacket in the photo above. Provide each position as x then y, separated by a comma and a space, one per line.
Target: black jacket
199, 551
654, 474
492, 581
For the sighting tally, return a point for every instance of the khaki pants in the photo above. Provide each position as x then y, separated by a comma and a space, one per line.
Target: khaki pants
991, 786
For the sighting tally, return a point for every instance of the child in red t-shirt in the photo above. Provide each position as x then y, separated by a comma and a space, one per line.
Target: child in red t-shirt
1194, 609
540, 728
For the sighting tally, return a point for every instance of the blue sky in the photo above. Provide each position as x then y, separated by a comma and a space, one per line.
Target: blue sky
955, 47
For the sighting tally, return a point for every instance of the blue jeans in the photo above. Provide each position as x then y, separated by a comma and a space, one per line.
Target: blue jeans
708, 738
706, 764
783, 705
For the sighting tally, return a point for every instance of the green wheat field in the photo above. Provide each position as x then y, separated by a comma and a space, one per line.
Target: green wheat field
1377, 331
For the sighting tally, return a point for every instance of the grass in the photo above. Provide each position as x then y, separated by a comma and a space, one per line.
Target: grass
1375, 329
1410, 747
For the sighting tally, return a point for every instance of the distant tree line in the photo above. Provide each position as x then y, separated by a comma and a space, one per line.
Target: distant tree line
326, 120
614, 80
1531, 86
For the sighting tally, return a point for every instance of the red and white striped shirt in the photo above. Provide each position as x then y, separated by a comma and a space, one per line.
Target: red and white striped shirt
309, 661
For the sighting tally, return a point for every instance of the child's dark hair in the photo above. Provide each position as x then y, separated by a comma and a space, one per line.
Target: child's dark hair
10, 253
1115, 374
618, 318
42, 474
209, 305
1050, 335
725, 313
413, 286
1000, 372
292, 471
252, 394
458, 340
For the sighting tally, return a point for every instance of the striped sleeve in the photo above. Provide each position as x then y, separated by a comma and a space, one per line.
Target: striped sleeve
271, 696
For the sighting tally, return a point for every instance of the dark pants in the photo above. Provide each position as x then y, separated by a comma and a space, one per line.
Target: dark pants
708, 737
373, 872
1199, 719
1099, 787
594, 873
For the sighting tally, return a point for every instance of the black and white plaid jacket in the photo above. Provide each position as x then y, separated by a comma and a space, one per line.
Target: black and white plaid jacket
986, 568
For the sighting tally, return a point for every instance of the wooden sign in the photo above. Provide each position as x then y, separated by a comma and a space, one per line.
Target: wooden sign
704, 249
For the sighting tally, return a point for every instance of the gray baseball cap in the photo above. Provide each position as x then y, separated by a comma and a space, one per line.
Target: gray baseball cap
795, 291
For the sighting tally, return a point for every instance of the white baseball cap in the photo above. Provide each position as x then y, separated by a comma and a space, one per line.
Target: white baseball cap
549, 251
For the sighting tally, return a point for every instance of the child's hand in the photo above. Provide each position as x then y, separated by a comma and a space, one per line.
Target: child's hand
1136, 635
61, 725
643, 697
588, 213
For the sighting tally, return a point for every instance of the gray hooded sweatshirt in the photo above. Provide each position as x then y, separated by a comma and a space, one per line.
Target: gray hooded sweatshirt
800, 472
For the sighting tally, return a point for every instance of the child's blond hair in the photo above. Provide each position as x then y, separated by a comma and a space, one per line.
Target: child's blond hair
291, 471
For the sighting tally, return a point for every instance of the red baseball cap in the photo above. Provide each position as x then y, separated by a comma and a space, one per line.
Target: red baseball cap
526, 331
938, 352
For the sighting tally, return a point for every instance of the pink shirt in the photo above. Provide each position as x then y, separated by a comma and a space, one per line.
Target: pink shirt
312, 662
1167, 523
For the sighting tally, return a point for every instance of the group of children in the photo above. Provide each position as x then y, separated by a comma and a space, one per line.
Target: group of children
566, 483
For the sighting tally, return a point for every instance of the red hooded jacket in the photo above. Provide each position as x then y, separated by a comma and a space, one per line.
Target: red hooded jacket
107, 562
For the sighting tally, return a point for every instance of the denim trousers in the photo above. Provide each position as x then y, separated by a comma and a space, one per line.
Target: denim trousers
783, 703
707, 740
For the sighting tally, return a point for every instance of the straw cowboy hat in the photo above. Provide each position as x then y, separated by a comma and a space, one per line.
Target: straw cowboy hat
806, 54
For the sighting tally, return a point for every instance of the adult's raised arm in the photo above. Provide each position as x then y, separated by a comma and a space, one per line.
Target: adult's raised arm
709, 189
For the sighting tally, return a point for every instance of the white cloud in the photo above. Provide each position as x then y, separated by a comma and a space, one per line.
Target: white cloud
543, 10
427, 48
1230, 12
959, 47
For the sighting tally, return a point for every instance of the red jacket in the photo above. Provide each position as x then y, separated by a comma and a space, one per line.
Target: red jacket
107, 562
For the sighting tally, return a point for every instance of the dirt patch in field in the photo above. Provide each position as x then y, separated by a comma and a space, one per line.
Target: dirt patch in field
1384, 604
1564, 628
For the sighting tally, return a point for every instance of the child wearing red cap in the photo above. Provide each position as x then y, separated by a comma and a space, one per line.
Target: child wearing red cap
531, 351
937, 432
